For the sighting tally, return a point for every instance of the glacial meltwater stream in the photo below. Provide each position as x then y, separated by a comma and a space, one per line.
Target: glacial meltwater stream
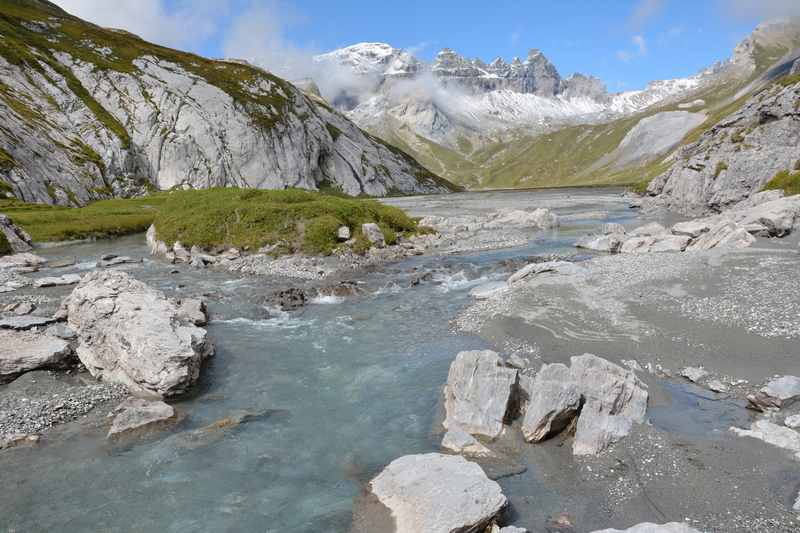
337, 390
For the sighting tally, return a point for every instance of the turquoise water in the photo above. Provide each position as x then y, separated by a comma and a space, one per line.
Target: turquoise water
344, 388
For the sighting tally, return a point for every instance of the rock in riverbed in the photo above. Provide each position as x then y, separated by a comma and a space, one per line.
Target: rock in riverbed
432, 493
606, 398
478, 392
672, 527
136, 415
21, 323
59, 281
132, 334
777, 394
457, 440
23, 351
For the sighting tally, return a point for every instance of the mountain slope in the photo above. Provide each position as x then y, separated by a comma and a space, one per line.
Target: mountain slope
89, 113
522, 125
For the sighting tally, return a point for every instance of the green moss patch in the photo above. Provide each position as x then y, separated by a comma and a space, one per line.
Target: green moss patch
295, 219
788, 182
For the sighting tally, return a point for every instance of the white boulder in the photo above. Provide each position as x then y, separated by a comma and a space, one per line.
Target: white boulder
132, 334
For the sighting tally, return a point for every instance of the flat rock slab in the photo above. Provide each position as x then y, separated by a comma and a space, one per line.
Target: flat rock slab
136, 415
780, 436
58, 281
437, 493
672, 527
477, 393
20, 323
24, 351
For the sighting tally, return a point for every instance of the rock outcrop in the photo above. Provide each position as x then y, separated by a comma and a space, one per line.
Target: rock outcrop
16, 239
117, 116
434, 493
735, 158
132, 334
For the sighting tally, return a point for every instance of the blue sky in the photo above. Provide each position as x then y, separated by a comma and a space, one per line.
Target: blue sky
624, 42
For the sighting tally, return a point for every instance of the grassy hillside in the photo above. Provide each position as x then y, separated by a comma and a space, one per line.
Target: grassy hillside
297, 220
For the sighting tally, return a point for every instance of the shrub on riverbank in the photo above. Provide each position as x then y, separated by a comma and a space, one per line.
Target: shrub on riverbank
296, 220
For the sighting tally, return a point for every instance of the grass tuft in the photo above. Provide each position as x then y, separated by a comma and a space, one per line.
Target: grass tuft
786, 181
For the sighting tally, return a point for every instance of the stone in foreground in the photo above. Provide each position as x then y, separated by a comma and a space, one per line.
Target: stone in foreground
137, 415
477, 394
672, 527
435, 493
606, 398
23, 351
132, 334
614, 399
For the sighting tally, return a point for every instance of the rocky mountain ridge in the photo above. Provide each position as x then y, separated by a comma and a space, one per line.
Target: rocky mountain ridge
91, 113
511, 124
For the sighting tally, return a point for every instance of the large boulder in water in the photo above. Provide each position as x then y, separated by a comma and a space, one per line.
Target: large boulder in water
132, 334
17, 238
431, 493
478, 392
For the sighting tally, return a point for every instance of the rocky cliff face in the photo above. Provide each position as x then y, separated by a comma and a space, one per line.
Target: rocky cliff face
736, 157
535, 75
90, 113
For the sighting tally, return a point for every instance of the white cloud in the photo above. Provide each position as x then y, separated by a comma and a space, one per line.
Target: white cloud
515, 38
186, 23
762, 9
645, 11
622, 55
641, 44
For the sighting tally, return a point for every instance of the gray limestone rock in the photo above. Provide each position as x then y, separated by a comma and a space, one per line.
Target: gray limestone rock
555, 398
437, 493
18, 238
25, 350
57, 281
478, 392
735, 158
136, 415
776, 394
457, 440
604, 243
132, 334
25, 322
373, 234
